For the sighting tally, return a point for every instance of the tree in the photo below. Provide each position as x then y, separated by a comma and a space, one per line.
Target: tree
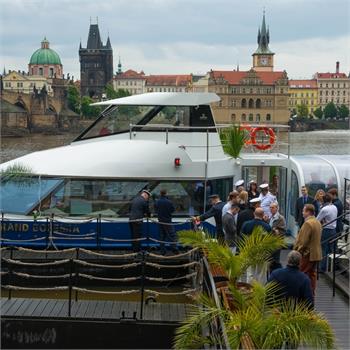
87, 110
330, 111
303, 110
112, 94
255, 315
232, 140
73, 97
318, 113
343, 111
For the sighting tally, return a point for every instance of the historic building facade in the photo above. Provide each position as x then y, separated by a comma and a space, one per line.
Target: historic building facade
45, 62
333, 87
131, 81
257, 95
168, 83
303, 92
96, 64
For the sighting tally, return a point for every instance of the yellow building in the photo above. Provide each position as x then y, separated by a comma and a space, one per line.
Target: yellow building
303, 92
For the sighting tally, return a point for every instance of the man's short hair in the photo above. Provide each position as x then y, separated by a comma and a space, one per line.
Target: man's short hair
293, 258
233, 206
327, 198
274, 204
163, 192
233, 194
304, 187
333, 191
310, 208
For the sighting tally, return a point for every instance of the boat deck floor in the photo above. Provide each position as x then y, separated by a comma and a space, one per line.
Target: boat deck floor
91, 310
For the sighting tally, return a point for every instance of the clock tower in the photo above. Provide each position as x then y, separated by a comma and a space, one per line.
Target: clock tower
263, 57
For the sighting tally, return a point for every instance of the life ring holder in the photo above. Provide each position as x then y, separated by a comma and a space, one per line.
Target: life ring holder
268, 132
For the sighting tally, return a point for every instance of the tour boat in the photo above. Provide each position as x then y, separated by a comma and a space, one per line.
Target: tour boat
79, 194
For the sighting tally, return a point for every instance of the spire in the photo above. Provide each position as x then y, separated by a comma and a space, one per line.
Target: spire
119, 67
108, 44
263, 37
4, 72
80, 45
45, 43
237, 66
94, 39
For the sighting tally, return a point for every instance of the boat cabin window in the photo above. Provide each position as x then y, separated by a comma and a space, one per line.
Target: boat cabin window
117, 119
110, 198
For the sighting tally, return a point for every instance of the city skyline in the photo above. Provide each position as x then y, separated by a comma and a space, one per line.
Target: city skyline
164, 36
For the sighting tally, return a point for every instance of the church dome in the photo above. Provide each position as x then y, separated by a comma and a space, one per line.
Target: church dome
45, 55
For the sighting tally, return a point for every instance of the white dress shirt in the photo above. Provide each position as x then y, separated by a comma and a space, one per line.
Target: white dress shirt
327, 214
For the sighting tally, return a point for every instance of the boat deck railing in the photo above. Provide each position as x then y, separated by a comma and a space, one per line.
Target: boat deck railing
271, 142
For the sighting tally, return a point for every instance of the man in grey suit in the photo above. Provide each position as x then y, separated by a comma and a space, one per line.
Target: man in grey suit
229, 224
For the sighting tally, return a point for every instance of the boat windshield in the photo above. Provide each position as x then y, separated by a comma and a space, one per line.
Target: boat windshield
91, 197
117, 119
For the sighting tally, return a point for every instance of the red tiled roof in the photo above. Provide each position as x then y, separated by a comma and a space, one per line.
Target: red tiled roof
330, 75
130, 74
168, 80
234, 77
302, 84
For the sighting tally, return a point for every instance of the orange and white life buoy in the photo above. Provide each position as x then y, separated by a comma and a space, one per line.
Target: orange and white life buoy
268, 132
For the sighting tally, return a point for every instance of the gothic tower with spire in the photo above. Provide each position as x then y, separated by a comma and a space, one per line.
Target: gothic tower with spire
263, 56
96, 64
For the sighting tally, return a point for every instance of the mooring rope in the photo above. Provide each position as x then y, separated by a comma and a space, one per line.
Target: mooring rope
125, 266
35, 289
26, 275
123, 240
74, 235
74, 238
125, 279
184, 292
158, 256
123, 292
44, 251
160, 279
22, 240
126, 255
17, 262
159, 266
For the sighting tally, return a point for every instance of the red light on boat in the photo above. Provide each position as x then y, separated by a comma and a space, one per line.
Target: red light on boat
177, 162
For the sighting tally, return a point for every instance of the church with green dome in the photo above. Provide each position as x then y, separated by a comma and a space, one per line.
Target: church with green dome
45, 62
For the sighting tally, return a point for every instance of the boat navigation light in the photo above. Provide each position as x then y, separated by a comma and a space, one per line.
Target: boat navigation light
177, 162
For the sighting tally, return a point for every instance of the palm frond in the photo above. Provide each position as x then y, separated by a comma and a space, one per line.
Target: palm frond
255, 249
232, 140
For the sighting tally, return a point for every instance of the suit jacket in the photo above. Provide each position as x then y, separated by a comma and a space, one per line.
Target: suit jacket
308, 241
278, 225
243, 216
299, 205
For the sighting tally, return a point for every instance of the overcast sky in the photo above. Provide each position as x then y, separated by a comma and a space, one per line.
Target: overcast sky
181, 36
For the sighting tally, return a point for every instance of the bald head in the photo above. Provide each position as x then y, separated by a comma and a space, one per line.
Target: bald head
259, 213
293, 259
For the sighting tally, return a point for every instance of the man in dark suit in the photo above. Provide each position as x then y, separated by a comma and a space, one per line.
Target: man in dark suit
138, 210
249, 226
165, 208
299, 205
216, 212
247, 214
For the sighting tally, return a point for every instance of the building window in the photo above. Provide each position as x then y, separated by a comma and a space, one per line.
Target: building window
258, 90
251, 90
32, 71
233, 118
41, 71
258, 103
282, 91
243, 91
243, 117
258, 118
51, 72
268, 117
7, 84
244, 103
251, 118
251, 103
332, 93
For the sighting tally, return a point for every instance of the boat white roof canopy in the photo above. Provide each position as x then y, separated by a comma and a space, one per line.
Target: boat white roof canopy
164, 99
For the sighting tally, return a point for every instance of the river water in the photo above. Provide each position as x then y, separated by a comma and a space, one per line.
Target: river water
312, 142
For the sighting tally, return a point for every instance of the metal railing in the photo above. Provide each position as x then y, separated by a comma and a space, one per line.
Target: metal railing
333, 242
208, 129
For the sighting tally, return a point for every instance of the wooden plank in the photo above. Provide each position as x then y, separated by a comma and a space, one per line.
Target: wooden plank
107, 310
5, 305
17, 302
21, 310
83, 304
47, 309
64, 310
90, 312
29, 310
116, 310
56, 309
99, 308
40, 307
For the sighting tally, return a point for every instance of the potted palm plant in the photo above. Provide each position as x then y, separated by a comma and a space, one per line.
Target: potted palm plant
255, 319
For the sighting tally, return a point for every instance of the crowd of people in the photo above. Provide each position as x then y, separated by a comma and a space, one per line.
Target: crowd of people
318, 221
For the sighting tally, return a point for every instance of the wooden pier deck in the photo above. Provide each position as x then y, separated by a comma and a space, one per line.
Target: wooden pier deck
92, 309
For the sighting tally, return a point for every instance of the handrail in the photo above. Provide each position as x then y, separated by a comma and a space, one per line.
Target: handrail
340, 216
